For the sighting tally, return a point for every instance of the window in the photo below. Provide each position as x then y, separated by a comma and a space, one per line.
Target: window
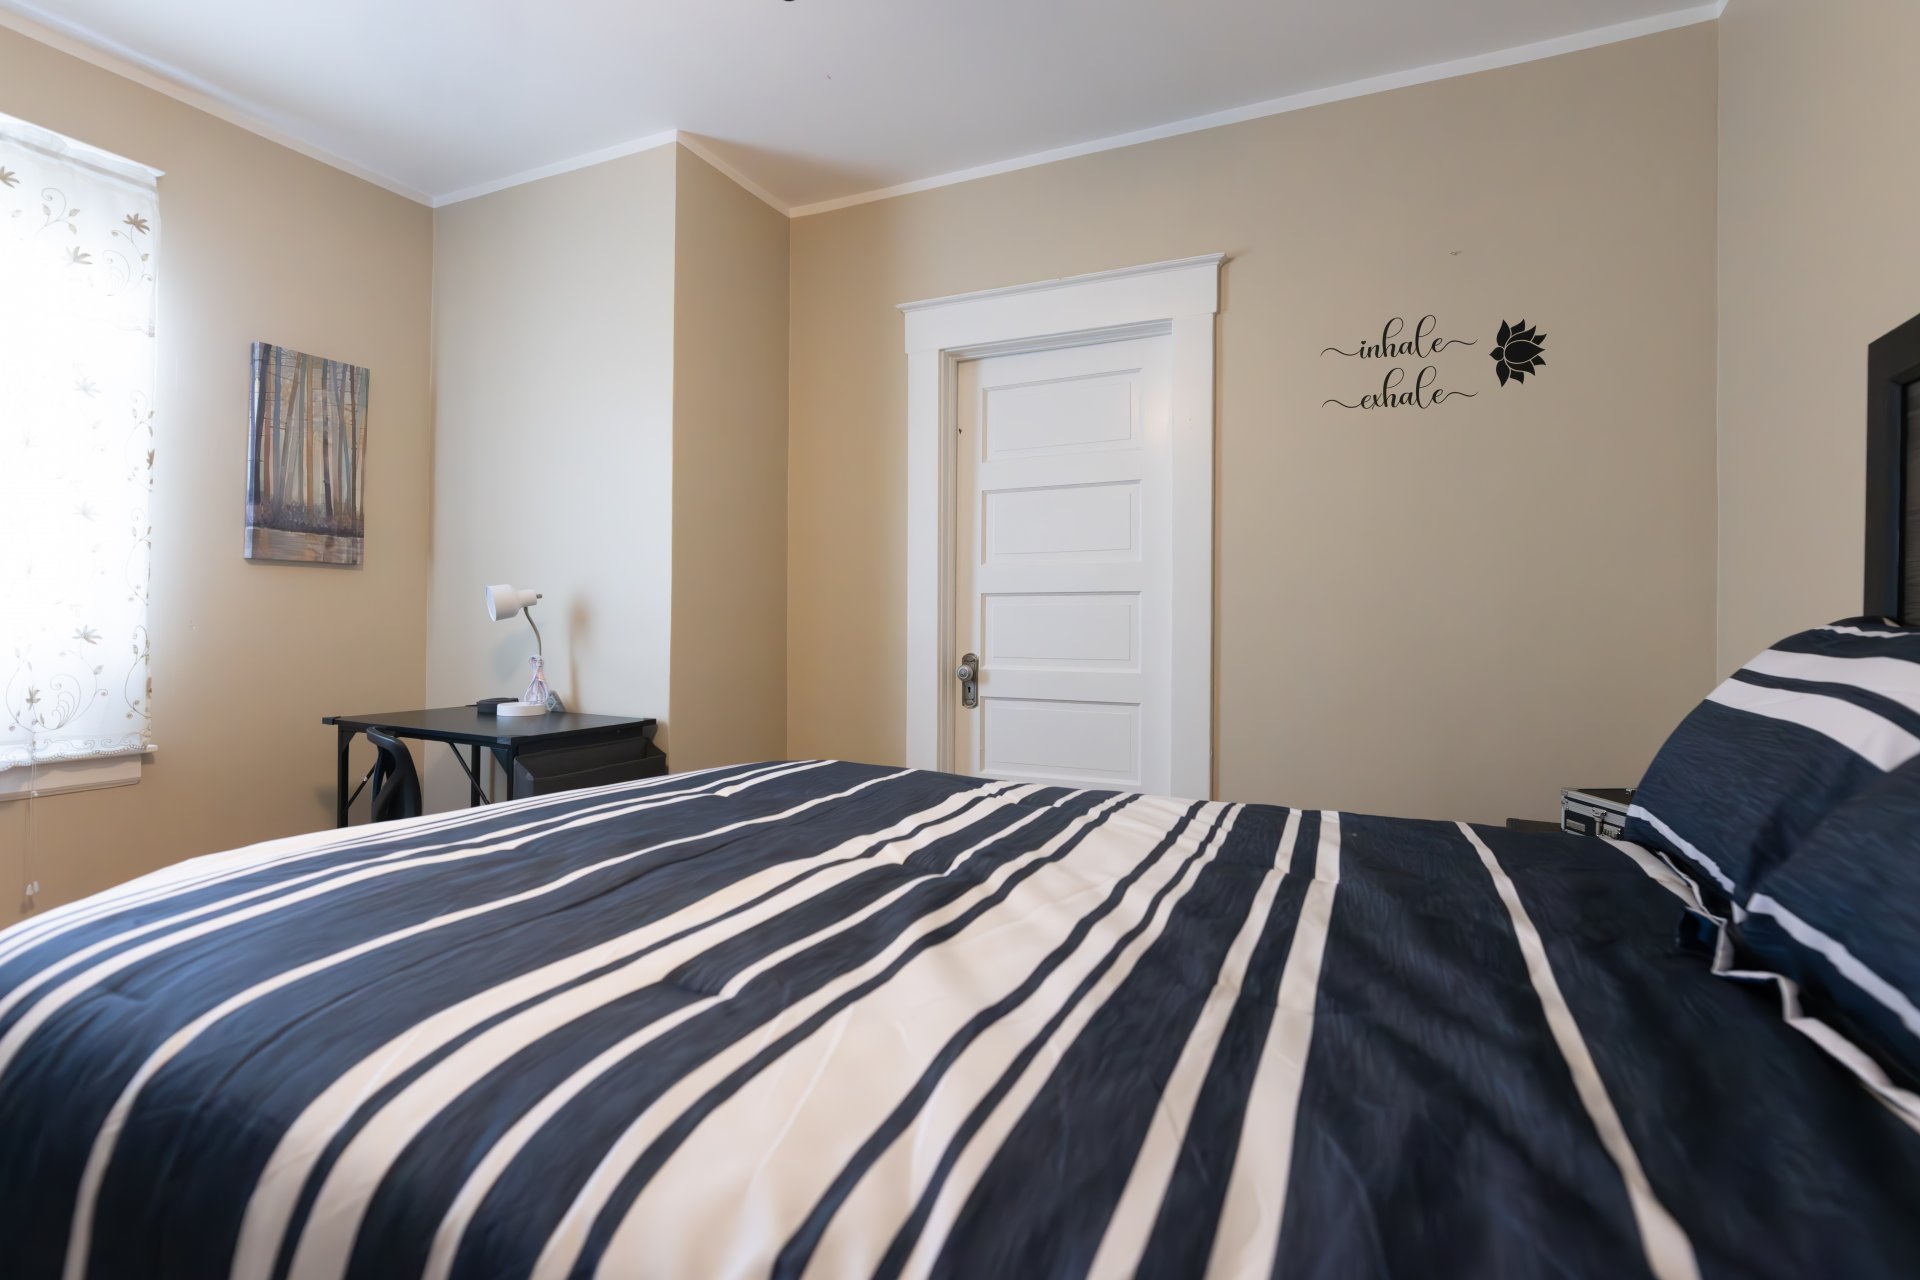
79, 243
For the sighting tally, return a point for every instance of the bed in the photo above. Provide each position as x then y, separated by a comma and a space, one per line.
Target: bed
816, 1018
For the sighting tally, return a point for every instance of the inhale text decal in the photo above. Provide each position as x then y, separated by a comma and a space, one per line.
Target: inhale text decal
1399, 389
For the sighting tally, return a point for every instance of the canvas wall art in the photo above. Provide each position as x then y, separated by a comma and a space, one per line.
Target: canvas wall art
306, 458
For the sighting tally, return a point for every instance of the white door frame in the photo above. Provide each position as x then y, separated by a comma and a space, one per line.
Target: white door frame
1180, 298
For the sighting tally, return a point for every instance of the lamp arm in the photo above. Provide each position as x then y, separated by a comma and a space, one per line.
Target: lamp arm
538, 648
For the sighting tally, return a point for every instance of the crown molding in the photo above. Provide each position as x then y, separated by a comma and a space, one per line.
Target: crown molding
76, 41
699, 147
586, 161
182, 87
1575, 43
692, 143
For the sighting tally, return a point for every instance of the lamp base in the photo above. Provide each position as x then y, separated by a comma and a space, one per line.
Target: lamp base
520, 709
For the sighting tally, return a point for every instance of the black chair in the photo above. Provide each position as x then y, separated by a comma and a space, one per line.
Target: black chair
396, 787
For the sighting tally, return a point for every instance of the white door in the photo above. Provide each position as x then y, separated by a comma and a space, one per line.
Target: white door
1063, 551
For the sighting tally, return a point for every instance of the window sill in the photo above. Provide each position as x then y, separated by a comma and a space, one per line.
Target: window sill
57, 777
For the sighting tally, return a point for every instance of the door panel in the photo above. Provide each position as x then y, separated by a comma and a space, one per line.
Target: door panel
1087, 742
1062, 415
1041, 631
1062, 547
1058, 521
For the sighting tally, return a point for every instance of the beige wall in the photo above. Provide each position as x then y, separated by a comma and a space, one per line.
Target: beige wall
728, 698
1819, 255
553, 439
1454, 612
260, 244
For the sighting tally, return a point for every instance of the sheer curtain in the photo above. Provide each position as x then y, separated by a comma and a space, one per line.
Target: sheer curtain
79, 240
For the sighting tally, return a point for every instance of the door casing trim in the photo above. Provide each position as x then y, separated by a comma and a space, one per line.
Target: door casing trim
1179, 298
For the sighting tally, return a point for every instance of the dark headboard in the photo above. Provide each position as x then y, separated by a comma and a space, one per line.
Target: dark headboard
1893, 475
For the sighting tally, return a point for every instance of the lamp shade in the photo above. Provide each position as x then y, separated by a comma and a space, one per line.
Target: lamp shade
504, 601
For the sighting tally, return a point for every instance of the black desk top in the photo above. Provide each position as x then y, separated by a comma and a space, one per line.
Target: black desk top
467, 725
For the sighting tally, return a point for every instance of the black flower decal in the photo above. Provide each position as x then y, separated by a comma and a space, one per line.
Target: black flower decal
137, 222
8, 178
1516, 352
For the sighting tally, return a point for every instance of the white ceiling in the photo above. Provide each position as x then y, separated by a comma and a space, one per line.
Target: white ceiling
809, 101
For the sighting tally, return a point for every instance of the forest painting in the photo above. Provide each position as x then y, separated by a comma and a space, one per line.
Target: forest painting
306, 458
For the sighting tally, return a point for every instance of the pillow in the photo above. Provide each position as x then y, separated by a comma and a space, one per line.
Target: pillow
1785, 741
1841, 918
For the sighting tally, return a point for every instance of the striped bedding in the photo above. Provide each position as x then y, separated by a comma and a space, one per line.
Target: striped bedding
824, 1019
1815, 719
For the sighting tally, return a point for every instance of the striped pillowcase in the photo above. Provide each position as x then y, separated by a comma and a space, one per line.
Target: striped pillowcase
1816, 719
1841, 918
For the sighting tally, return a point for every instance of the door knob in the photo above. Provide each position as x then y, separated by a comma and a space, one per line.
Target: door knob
968, 674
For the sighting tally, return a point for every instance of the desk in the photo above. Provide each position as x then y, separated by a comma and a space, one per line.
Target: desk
507, 737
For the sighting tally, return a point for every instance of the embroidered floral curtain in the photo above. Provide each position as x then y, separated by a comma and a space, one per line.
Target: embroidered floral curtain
79, 233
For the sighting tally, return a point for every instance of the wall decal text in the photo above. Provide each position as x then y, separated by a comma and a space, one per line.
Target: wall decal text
1398, 388
1394, 344
1395, 394
1415, 355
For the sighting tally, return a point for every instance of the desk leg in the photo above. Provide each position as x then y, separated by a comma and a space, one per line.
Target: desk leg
340, 778
503, 756
473, 784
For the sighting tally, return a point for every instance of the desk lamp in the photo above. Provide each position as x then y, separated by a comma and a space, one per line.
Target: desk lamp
502, 603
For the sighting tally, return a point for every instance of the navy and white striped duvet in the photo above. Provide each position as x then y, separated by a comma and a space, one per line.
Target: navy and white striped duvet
826, 1019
